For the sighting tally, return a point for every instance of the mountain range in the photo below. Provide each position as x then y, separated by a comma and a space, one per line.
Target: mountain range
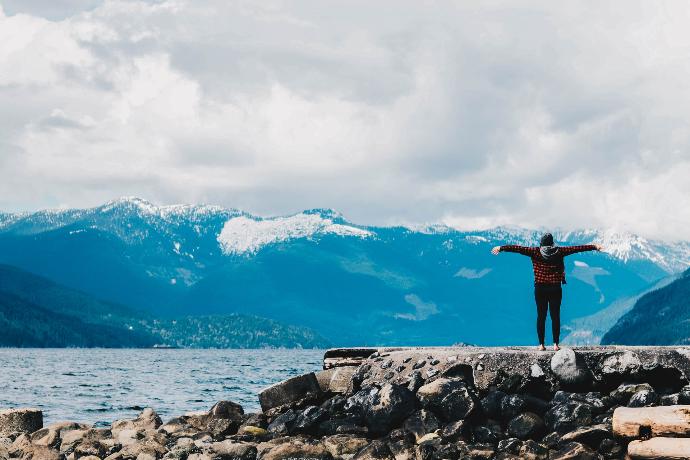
350, 284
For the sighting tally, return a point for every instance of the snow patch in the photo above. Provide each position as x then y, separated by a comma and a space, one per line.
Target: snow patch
423, 310
579, 263
476, 239
471, 273
429, 229
242, 234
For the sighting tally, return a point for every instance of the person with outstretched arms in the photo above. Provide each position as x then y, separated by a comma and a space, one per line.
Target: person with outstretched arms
549, 274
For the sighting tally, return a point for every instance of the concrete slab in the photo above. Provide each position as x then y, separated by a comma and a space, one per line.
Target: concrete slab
608, 364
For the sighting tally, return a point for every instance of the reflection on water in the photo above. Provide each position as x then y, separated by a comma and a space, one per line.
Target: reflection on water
102, 385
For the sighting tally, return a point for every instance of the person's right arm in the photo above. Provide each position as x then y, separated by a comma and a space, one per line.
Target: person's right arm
568, 250
524, 250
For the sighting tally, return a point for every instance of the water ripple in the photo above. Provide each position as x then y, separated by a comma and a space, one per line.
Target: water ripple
102, 385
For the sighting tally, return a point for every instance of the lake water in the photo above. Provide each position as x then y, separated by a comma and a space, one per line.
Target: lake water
102, 385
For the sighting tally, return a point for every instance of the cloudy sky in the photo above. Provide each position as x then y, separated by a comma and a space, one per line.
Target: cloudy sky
468, 113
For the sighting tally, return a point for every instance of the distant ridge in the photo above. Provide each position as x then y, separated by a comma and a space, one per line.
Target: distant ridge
35, 312
39, 313
660, 317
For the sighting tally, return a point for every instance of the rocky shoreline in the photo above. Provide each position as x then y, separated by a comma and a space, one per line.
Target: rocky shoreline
398, 404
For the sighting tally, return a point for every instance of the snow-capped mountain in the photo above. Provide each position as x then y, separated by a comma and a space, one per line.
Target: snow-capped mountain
243, 233
428, 284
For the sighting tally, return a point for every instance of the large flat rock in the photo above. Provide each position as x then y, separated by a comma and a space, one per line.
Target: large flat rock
22, 420
293, 390
487, 365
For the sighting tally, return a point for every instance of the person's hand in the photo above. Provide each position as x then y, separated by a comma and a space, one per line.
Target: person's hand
496, 250
599, 247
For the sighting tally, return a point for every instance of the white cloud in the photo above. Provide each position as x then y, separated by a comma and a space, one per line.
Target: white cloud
471, 114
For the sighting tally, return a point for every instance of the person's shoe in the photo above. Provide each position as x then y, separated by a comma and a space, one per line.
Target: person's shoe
541, 347
556, 347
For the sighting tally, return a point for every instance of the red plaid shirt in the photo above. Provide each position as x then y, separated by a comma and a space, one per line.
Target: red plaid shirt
544, 272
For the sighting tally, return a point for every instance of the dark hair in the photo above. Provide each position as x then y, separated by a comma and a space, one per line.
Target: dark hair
546, 240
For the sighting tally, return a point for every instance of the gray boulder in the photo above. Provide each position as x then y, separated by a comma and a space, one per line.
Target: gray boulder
684, 395
489, 433
593, 399
444, 451
610, 448
451, 399
255, 419
456, 430
568, 417
574, 451
512, 405
309, 418
526, 426
295, 390
401, 447
148, 420
510, 445
356, 403
233, 449
296, 448
531, 450
570, 368
421, 422
589, 435
345, 425
283, 424
344, 446
625, 391
226, 410
669, 400
377, 450
223, 419
491, 404
480, 451
644, 398
24, 420
388, 407
506, 456
551, 440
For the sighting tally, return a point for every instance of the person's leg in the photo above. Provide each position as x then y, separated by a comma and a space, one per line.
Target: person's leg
542, 302
555, 298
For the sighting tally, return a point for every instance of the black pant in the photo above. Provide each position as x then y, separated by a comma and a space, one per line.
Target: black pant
548, 298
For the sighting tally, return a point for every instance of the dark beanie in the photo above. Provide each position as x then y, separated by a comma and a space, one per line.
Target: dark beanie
546, 240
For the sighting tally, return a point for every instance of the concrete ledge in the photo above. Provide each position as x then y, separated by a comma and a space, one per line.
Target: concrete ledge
338, 357
605, 366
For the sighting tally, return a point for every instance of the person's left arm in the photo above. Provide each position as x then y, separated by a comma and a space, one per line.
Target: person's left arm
567, 250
